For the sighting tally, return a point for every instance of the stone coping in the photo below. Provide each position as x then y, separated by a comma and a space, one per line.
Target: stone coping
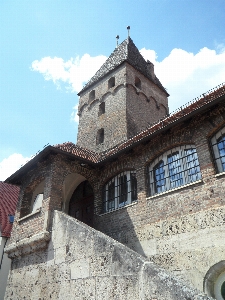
28, 245
30, 215
220, 174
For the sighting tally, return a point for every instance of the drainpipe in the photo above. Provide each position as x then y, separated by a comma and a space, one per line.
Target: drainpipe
3, 252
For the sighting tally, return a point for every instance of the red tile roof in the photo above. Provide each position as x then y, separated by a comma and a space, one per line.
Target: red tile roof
8, 200
79, 151
181, 112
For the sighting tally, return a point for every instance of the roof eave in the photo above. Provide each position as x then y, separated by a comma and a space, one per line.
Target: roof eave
150, 136
15, 178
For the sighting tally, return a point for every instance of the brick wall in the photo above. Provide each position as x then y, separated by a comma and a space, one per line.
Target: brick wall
128, 109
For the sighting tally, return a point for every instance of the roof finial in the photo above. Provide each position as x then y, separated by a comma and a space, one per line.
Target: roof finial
128, 29
117, 39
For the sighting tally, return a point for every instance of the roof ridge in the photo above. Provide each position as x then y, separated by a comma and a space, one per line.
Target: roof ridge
126, 51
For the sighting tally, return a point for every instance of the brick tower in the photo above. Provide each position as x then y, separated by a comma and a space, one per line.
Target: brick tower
121, 99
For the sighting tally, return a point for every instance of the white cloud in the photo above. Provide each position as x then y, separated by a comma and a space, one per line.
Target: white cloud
74, 73
74, 117
10, 165
185, 75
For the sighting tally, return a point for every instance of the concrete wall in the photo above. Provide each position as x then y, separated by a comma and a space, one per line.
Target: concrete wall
82, 263
5, 266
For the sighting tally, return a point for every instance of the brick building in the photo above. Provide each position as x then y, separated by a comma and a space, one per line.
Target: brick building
146, 182
8, 201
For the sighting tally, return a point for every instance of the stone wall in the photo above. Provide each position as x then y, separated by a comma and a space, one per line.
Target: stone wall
82, 263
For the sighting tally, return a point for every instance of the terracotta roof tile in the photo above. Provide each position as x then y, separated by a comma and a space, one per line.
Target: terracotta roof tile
79, 151
8, 200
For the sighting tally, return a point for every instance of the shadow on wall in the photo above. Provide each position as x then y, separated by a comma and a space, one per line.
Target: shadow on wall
118, 225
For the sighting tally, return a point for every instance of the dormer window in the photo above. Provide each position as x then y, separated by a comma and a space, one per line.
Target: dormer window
100, 136
111, 82
137, 83
101, 109
92, 95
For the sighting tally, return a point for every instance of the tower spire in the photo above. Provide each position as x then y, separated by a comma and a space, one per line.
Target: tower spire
128, 29
117, 39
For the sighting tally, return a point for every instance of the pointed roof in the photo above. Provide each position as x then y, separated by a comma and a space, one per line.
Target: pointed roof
126, 51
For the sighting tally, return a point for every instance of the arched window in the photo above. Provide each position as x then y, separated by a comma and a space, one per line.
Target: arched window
111, 82
218, 146
214, 281
121, 190
173, 169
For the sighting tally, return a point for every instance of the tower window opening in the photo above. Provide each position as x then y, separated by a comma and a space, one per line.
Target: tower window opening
111, 82
101, 109
100, 136
92, 95
137, 83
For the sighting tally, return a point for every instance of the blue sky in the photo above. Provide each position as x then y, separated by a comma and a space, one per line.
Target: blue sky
50, 48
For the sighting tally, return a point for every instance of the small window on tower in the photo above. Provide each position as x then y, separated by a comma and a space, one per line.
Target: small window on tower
101, 109
100, 136
92, 95
137, 82
111, 82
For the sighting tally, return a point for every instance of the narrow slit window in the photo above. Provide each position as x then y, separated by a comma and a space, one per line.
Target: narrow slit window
100, 136
111, 82
137, 82
101, 109
92, 95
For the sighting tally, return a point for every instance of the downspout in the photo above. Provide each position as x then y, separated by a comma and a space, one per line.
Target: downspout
3, 252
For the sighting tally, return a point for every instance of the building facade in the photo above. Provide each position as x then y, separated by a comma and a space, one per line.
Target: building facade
151, 181
8, 201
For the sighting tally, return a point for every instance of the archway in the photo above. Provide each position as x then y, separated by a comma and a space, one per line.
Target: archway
81, 204
214, 281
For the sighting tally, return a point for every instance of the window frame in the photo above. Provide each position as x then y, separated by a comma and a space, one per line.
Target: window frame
185, 171
116, 187
217, 157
